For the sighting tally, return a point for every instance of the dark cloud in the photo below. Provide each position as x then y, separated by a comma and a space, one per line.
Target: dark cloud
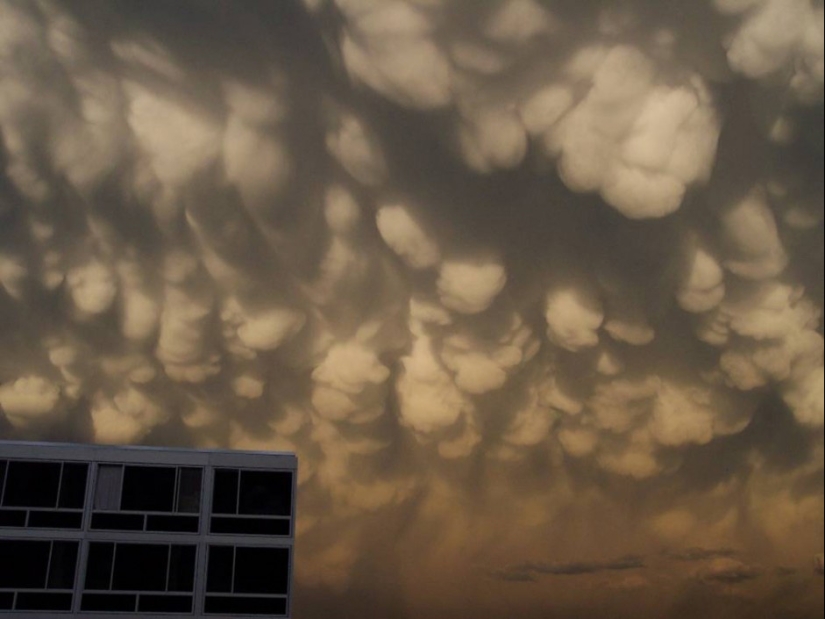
692, 555
729, 572
581, 568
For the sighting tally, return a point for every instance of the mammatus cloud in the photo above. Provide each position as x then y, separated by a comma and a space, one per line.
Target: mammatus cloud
513, 278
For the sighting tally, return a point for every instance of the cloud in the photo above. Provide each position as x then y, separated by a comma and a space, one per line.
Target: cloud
693, 555
509, 277
406, 237
470, 286
92, 287
728, 571
574, 316
621, 564
125, 418
30, 401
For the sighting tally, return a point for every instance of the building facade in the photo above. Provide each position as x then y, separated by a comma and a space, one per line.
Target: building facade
99, 531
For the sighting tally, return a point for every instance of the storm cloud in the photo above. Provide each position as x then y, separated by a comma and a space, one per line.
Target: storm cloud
512, 277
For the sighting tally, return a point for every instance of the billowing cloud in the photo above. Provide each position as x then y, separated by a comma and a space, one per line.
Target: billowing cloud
509, 277
30, 401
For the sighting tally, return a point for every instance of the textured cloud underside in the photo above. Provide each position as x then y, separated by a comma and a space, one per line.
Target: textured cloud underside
491, 269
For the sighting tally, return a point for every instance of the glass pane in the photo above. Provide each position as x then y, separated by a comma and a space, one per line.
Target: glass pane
182, 568
261, 570
73, 486
140, 567
63, 565
44, 601
55, 520
27, 569
112, 602
32, 484
226, 605
219, 571
234, 525
99, 566
189, 491
107, 492
265, 493
159, 480
225, 496
165, 604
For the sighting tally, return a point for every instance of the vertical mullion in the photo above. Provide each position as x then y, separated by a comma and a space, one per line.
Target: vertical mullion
83, 558
49, 564
238, 492
176, 496
59, 486
168, 566
120, 489
234, 552
202, 547
3, 481
112, 569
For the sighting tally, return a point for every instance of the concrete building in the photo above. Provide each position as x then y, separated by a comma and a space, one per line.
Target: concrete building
98, 531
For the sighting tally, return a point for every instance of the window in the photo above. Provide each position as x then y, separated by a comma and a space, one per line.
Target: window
47, 495
251, 502
41, 576
146, 578
122, 503
247, 580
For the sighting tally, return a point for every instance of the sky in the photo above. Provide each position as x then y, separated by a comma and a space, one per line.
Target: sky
533, 288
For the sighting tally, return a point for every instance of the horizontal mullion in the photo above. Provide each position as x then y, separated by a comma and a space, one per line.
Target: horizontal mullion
181, 594
37, 590
250, 516
269, 596
64, 510
140, 513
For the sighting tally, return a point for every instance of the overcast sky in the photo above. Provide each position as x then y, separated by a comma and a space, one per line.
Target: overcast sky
533, 288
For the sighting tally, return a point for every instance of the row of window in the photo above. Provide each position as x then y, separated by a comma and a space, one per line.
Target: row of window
37, 494
147, 578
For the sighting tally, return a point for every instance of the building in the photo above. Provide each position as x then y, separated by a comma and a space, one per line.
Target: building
100, 531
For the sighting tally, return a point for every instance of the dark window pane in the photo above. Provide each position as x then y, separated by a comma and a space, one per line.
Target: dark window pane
32, 484
140, 567
225, 605
261, 570
73, 486
55, 520
249, 526
12, 518
44, 601
63, 565
165, 604
117, 522
189, 491
107, 492
181, 568
117, 602
24, 564
6, 600
225, 496
219, 570
148, 489
99, 566
172, 524
265, 493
